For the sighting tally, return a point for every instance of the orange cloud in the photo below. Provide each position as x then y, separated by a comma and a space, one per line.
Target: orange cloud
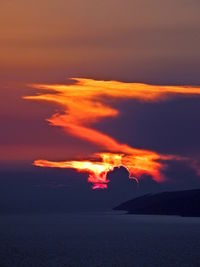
84, 103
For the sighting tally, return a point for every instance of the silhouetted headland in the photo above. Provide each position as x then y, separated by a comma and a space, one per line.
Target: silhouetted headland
183, 203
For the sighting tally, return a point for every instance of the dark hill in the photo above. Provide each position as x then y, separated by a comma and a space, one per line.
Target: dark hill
183, 203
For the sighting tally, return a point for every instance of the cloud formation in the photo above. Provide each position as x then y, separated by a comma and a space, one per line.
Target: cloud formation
84, 103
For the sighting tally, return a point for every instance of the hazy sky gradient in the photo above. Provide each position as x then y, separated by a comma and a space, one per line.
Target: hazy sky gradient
155, 41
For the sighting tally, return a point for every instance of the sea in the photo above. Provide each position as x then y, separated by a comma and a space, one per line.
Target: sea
99, 239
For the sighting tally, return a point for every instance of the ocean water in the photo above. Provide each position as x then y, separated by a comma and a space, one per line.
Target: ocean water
98, 239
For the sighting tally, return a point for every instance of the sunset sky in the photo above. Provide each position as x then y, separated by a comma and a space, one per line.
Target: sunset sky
140, 61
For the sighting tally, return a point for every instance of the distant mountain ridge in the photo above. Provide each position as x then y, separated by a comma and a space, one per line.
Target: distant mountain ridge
183, 203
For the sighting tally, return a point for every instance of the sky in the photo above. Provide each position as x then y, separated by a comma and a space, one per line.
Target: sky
47, 43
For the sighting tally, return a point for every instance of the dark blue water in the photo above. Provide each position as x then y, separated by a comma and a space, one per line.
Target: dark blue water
99, 239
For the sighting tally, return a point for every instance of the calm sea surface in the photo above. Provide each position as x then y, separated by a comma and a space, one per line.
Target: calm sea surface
99, 239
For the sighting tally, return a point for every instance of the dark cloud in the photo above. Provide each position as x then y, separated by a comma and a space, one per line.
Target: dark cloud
54, 190
171, 126
36, 190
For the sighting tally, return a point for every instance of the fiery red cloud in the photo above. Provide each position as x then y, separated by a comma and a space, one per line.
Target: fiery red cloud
84, 103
